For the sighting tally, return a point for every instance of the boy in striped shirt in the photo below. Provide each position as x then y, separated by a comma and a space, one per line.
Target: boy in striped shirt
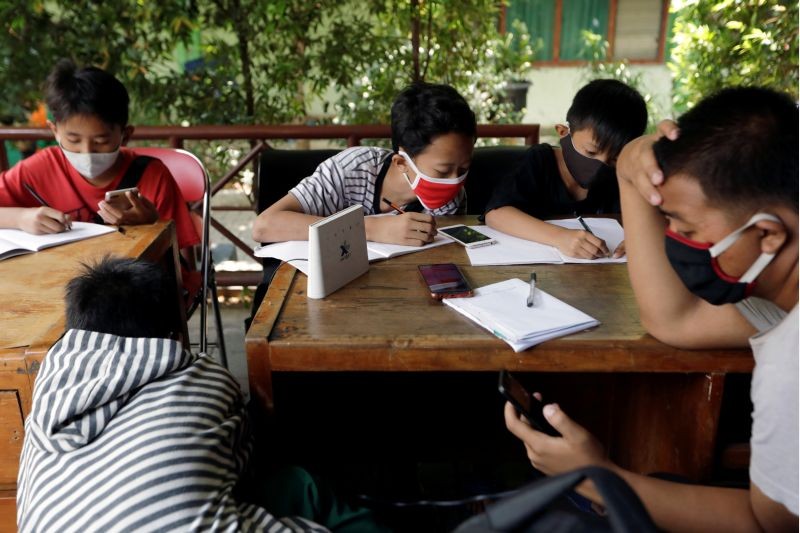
433, 134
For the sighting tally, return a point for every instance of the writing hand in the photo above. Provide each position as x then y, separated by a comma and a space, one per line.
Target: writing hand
581, 244
410, 229
44, 220
637, 163
141, 211
619, 251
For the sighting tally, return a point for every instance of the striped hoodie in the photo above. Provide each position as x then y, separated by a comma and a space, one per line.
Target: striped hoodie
136, 434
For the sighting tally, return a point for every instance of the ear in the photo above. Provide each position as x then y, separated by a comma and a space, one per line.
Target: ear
400, 162
562, 130
127, 133
773, 236
52, 126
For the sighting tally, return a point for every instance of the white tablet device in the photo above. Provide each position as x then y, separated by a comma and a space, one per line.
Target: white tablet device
469, 237
337, 251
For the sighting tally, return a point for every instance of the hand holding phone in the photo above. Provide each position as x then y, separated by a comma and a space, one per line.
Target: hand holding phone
119, 199
445, 280
466, 236
525, 403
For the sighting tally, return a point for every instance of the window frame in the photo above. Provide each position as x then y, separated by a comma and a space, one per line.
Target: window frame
611, 32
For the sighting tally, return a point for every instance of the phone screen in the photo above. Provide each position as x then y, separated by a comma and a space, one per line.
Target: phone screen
525, 403
444, 279
465, 234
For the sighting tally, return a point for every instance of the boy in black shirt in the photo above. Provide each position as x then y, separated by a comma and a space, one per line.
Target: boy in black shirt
577, 179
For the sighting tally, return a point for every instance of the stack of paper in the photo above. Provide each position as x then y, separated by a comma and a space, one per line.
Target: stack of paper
515, 251
502, 309
296, 252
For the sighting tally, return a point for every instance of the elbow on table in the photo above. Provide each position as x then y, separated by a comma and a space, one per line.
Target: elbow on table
670, 332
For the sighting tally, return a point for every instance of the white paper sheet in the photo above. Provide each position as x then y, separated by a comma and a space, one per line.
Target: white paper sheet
502, 309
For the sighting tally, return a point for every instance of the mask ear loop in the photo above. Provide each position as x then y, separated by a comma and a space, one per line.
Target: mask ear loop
763, 260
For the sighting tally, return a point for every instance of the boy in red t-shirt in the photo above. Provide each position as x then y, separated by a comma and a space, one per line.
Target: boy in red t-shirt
45, 192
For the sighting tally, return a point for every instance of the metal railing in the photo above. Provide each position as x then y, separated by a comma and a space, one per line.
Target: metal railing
258, 135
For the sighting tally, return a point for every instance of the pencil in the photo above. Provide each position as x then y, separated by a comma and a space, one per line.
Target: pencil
393, 206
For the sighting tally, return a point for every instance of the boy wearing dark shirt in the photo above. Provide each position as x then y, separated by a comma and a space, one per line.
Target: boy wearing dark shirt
577, 179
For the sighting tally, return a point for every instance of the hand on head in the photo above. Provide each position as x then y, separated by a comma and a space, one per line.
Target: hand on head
637, 163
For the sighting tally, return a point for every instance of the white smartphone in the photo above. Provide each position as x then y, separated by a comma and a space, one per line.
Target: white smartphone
119, 199
469, 237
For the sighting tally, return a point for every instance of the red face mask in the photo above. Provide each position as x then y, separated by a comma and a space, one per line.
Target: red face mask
433, 193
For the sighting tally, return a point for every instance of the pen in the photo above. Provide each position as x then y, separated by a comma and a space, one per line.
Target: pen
532, 293
585, 225
67, 223
393, 206
35, 195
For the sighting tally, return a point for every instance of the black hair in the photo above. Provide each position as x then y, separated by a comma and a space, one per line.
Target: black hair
616, 113
121, 296
740, 144
423, 111
88, 91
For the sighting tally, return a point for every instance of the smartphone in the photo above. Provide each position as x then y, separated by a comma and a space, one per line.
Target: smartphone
525, 403
119, 199
471, 238
445, 280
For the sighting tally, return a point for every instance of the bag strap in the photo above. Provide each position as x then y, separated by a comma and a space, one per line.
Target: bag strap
625, 510
135, 172
130, 179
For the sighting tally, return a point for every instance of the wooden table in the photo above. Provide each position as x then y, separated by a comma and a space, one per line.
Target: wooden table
32, 320
666, 402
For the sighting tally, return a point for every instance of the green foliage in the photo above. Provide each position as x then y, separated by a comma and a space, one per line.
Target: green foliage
459, 44
733, 42
595, 51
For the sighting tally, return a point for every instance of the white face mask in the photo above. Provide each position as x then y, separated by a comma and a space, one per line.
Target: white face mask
93, 164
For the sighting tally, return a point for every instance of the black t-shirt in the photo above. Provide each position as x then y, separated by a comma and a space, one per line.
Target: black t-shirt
535, 187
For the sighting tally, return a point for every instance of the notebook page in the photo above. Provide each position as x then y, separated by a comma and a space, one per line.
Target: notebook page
34, 243
502, 309
607, 229
510, 250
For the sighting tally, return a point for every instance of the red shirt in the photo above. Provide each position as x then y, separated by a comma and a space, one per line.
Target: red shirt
58, 183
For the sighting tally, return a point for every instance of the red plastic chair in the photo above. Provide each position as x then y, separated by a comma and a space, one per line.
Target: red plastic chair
192, 180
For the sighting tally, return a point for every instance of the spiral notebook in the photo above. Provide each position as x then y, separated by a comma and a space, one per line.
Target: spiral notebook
502, 309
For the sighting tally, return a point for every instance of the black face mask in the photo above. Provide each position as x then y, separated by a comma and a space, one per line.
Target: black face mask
697, 265
584, 169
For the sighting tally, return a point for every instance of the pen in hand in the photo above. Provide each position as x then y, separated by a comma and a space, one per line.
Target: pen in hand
392, 205
532, 294
67, 223
585, 225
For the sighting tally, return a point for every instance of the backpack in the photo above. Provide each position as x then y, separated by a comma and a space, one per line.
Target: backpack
535, 508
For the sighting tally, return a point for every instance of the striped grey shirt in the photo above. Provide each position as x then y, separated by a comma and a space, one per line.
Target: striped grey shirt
349, 178
135, 434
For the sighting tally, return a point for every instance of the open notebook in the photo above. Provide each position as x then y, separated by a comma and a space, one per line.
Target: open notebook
502, 309
515, 251
15, 242
296, 252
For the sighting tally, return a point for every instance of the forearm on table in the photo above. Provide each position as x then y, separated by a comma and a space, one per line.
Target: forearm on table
667, 309
515, 222
10, 216
282, 226
686, 507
